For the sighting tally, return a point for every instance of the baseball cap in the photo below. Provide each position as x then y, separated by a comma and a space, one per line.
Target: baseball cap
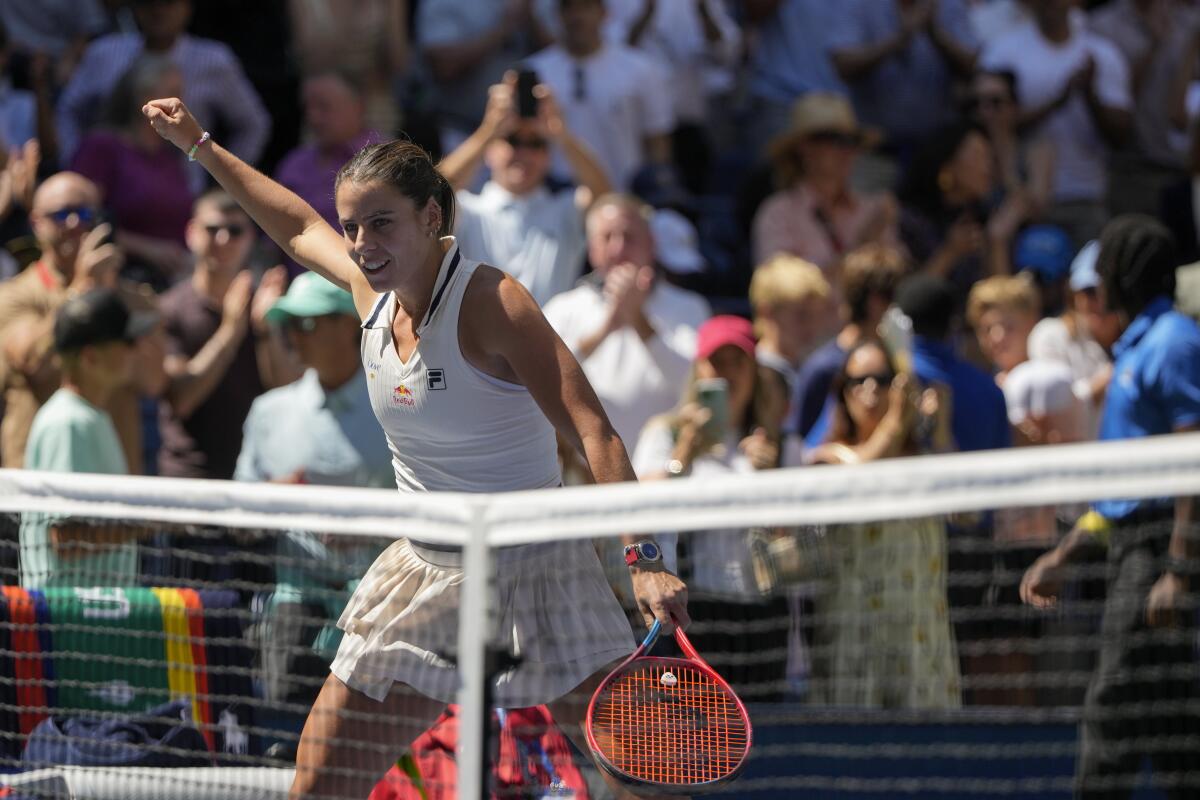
98, 317
1083, 269
1045, 250
310, 295
722, 330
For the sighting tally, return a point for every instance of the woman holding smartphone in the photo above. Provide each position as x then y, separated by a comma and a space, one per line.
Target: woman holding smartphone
728, 423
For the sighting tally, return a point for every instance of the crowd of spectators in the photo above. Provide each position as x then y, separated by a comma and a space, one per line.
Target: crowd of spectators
875, 220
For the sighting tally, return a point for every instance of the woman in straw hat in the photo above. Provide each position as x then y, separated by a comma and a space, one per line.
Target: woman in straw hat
815, 214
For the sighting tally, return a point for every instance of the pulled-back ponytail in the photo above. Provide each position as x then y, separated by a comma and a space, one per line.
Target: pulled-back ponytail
407, 168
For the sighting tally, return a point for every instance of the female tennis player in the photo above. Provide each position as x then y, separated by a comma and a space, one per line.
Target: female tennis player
470, 383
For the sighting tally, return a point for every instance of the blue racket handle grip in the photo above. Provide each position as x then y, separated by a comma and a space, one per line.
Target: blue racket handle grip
652, 635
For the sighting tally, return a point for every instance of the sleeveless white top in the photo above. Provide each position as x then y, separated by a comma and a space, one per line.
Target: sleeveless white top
450, 426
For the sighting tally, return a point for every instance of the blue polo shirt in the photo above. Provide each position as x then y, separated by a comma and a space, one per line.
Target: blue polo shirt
979, 418
1155, 388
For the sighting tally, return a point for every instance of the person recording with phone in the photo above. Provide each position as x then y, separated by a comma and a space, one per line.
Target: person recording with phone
517, 219
891, 575
728, 423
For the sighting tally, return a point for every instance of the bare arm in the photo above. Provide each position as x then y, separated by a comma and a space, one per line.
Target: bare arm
192, 381
461, 164
284, 216
587, 170
507, 328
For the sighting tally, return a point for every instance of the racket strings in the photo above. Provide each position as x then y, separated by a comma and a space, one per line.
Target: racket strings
670, 723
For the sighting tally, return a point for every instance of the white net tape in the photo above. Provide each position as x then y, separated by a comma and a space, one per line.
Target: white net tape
1017, 685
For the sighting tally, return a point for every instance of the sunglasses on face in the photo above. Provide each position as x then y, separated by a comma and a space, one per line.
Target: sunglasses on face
526, 142
881, 379
84, 214
234, 230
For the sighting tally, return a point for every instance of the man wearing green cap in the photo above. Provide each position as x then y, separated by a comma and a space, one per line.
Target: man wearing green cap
321, 430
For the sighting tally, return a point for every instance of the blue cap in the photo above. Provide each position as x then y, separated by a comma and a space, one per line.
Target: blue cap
1083, 268
1046, 250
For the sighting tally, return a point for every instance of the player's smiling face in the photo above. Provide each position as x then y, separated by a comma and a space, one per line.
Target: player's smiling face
384, 231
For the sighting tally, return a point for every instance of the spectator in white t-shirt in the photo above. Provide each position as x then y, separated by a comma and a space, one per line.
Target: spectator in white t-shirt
634, 334
615, 98
516, 222
1079, 336
1073, 87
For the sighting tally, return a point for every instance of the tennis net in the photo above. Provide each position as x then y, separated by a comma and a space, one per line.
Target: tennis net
870, 617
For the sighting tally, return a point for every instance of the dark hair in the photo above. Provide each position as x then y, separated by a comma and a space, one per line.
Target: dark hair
408, 169
1137, 262
873, 269
843, 427
928, 301
921, 188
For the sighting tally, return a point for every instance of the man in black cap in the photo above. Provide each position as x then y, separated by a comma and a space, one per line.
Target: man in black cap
94, 335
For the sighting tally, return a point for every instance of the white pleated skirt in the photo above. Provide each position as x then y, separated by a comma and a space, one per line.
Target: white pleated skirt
553, 606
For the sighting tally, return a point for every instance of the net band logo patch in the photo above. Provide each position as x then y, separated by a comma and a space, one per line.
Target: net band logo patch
436, 379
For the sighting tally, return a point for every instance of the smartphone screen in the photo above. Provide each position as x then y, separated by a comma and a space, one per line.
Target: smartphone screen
713, 394
527, 104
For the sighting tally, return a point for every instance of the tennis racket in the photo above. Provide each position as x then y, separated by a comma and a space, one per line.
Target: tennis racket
671, 725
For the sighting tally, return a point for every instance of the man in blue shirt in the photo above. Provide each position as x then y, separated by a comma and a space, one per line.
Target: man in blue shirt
979, 418
1142, 698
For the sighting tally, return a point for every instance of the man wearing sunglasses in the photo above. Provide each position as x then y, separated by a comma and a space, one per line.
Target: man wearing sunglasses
74, 258
221, 352
516, 221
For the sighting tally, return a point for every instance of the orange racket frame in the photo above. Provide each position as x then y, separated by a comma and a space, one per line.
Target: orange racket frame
671, 725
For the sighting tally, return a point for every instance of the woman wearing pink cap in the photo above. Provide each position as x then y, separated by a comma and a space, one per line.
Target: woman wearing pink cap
728, 423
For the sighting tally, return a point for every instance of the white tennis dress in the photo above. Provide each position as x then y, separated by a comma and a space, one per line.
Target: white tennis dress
451, 427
